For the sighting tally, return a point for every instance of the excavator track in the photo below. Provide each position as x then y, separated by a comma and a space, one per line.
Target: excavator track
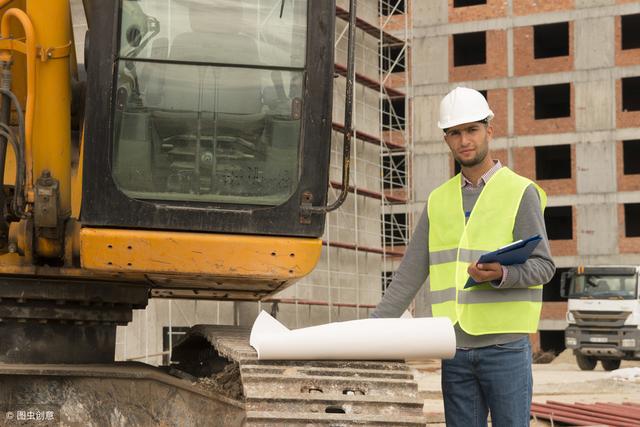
299, 393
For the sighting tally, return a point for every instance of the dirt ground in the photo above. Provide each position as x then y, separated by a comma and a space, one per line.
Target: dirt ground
561, 380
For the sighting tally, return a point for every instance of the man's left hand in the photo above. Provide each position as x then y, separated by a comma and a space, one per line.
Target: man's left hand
485, 272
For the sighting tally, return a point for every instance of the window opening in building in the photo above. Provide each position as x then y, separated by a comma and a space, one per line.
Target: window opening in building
392, 59
464, 3
631, 156
631, 94
393, 114
632, 219
559, 222
391, 7
469, 48
550, 40
552, 101
394, 229
630, 32
394, 171
551, 291
552, 341
177, 332
553, 162
385, 278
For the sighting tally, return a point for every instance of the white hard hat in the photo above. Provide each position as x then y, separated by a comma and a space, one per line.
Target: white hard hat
463, 105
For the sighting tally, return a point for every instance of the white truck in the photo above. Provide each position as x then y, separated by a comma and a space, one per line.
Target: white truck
603, 315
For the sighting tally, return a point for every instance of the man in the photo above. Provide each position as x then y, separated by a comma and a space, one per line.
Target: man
483, 208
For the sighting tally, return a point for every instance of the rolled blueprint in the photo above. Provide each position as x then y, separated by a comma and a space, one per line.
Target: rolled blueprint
366, 339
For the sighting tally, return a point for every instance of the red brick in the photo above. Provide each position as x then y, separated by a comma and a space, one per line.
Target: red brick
624, 119
497, 99
496, 65
628, 56
397, 22
528, 7
626, 245
525, 165
554, 310
525, 123
397, 81
526, 64
492, 9
625, 182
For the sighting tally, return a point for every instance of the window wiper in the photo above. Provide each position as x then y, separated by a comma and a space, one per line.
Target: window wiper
281, 8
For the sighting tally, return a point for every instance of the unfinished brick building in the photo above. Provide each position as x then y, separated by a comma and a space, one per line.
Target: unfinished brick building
563, 78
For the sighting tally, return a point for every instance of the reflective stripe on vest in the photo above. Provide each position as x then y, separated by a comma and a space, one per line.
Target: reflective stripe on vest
454, 244
487, 295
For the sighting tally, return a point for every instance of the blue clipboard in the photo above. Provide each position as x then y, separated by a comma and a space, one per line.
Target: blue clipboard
513, 253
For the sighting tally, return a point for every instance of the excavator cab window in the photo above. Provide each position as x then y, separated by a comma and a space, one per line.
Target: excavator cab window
208, 100
219, 115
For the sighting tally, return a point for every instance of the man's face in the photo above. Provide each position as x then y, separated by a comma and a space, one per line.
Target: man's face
469, 142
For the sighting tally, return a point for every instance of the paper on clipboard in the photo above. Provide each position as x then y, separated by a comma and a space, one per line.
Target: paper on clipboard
365, 339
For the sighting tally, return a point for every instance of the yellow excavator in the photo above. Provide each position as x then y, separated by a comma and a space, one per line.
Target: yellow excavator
187, 157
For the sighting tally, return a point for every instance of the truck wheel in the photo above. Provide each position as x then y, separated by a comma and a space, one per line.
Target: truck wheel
586, 363
610, 364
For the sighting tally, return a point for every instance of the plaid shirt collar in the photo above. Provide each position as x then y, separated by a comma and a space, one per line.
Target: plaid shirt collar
484, 178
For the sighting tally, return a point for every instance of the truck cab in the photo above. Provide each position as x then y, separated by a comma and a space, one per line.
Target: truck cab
603, 315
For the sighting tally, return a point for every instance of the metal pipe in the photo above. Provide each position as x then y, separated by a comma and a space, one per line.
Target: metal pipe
348, 118
5, 116
5, 55
316, 302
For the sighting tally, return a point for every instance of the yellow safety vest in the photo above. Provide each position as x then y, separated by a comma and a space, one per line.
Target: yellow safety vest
454, 244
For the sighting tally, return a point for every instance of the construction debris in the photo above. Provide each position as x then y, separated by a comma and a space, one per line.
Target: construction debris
583, 414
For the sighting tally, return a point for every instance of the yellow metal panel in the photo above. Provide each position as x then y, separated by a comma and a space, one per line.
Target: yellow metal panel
51, 123
221, 255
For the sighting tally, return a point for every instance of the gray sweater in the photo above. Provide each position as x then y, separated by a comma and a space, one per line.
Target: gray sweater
414, 268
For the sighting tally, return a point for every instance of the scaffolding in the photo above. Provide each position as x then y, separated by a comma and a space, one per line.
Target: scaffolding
364, 240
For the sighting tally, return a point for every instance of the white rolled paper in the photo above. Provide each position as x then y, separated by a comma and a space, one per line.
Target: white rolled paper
366, 339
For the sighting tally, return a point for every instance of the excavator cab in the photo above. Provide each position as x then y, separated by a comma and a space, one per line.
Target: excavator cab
215, 115
214, 125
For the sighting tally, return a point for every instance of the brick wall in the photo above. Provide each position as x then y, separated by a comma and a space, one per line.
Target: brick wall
628, 56
529, 7
497, 99
525, 165
566, 247
496, 65
554, 310
525, 122
625, 119
625, 182
626, 244
526, 64
492, 9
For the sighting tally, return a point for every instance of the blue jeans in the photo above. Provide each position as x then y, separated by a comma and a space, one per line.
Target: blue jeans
494, 379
